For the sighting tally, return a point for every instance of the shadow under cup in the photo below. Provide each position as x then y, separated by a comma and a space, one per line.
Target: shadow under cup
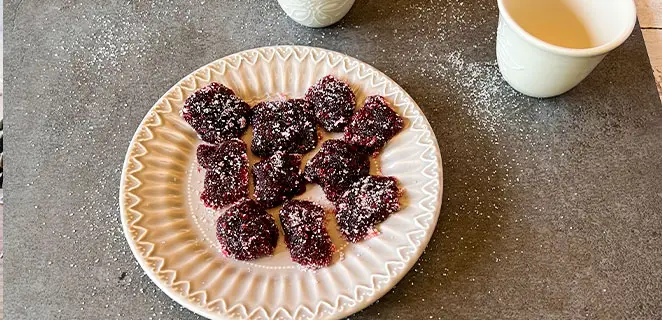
547, 47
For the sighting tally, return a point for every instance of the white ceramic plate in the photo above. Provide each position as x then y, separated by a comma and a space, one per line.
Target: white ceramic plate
172, 234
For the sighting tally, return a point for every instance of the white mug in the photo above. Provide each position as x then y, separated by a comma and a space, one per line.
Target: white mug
316, 13
547, 47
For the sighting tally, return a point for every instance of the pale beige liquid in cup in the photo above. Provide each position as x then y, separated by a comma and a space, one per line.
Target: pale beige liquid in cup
552, 21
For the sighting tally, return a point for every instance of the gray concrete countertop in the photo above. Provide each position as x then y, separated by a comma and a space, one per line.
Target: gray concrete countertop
552, 208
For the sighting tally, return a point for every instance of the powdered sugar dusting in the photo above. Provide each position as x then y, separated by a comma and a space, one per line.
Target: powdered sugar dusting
333, 101
216, 113
277, 179
482, 85
373, 125
226, 177
283, 125
304, 226
365, 204
336, 166
246, 232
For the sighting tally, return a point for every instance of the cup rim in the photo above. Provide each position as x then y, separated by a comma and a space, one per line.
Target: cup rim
586, 52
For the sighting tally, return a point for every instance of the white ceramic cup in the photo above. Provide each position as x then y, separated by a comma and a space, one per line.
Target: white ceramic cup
547, 47
316, 13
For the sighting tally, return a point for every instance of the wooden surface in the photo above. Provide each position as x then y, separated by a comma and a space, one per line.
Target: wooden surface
650, 19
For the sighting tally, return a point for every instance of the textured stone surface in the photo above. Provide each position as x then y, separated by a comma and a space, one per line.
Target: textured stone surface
552, 208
